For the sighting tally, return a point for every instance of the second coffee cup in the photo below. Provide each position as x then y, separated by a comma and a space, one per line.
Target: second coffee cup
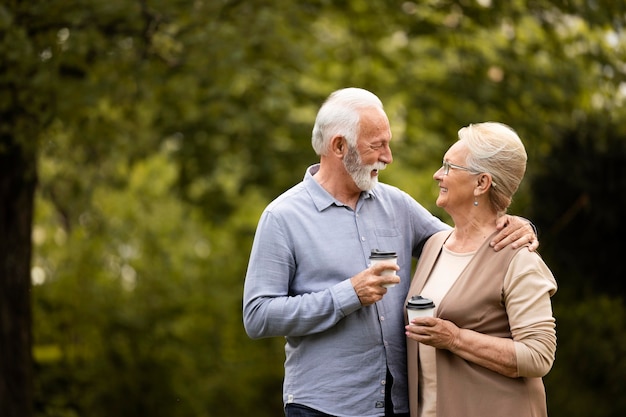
419, 306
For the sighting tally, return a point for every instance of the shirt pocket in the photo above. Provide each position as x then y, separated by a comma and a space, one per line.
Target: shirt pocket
389, 239
387, 232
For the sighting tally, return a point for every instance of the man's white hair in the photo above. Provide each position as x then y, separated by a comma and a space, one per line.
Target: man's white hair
340, 115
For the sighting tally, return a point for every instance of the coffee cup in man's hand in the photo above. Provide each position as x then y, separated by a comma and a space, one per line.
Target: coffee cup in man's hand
377, 256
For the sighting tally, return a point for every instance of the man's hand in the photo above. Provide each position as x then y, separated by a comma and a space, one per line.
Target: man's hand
515, 231
368, 284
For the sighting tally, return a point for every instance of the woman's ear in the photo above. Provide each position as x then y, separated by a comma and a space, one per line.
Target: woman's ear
484, 182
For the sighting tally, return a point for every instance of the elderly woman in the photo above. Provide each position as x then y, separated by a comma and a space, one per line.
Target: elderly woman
493, 335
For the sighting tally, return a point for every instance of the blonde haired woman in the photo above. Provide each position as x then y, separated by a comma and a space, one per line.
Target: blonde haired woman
493, 335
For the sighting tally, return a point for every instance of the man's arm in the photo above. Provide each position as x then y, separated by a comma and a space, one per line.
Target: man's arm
270, 307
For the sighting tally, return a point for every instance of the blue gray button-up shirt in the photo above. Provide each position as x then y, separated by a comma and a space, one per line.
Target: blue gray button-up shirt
306, 248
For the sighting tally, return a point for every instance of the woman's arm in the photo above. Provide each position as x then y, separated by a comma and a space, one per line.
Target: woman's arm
494, 353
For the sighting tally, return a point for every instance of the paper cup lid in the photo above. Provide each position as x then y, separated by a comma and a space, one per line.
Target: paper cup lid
379, 254
417, 302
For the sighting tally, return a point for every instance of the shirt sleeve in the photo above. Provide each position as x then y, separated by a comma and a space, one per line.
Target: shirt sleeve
424, 224
528, 288
269, 309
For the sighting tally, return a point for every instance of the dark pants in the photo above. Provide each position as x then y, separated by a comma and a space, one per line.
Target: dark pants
297, 410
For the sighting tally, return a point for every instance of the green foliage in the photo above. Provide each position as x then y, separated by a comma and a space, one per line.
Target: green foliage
588, 169
143, 302
165, 127
588, 375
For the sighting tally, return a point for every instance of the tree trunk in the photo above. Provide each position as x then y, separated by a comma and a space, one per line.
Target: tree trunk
18, 178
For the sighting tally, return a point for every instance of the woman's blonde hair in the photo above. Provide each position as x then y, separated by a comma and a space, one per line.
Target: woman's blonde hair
495, 148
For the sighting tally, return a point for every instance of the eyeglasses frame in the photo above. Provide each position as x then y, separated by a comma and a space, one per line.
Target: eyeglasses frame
447, 165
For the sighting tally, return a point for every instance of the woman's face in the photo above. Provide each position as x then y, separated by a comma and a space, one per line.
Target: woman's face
456, 188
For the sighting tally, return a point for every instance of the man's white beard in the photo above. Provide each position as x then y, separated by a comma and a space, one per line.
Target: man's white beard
361, 174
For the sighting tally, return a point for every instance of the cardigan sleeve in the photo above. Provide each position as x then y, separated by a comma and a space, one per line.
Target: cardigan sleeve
528, 287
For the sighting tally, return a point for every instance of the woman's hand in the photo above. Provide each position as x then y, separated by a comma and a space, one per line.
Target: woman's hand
494, 353
435, 332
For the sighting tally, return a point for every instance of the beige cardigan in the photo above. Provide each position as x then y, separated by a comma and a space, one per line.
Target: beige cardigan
475, 301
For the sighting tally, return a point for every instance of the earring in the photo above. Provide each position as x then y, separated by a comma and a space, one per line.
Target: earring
475, 202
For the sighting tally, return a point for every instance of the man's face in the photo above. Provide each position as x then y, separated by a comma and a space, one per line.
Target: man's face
372, 153
365, 176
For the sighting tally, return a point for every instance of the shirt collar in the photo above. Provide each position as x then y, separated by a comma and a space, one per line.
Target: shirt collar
322, 198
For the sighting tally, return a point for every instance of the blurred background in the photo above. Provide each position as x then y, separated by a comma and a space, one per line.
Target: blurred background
141, 139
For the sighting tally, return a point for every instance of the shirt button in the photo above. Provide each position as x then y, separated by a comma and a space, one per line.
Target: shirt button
362, 238
383, 382
382, 318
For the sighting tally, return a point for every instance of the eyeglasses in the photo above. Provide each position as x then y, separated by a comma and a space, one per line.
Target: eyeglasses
447, 165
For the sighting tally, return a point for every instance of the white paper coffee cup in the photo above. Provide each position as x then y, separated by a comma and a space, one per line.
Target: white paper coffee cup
418, 306
379, 256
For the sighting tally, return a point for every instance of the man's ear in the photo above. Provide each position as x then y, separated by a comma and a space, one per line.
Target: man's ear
338, 145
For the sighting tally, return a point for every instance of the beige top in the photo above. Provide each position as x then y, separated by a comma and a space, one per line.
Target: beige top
444, 274
526, 286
